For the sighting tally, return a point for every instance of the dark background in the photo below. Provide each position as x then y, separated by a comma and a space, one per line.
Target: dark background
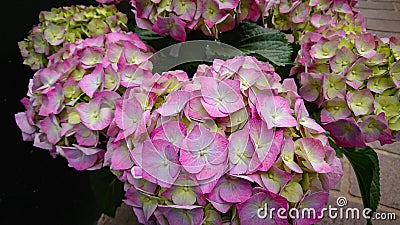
34, 187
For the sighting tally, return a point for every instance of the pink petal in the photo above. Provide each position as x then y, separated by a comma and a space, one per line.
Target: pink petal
346, 133
176, 100
91, 82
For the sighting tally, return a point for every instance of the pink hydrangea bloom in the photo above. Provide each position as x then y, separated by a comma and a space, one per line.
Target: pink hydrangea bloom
74, 98
211, 140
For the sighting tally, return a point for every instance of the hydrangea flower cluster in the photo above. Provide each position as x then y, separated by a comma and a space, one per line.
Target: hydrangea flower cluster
71, 103
66, 25
175, 17
319, 16
218, 146
356, 80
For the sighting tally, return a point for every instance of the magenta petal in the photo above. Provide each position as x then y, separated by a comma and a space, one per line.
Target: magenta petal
172, 25
91, 56
133, 75
212, 110
52, 100
241, 151
334, 109
91, 82
273, 152
51, 128
318, 20
288, 156
222, 207
204, 149
86, 137
365, 45
23, 123
234, 189
229, 4
311, 86
94, 117
300, 13
47, 77
128, 114
194, 108
176, 100
160, 160
330, 180
375, 127
221, 97
313, 152
346, 133
314, 201
40, 141
275, 111
311, 124
149, 207
211, 171
120, 159
172, 131
275, 179
262, 139
248, 210
77, 159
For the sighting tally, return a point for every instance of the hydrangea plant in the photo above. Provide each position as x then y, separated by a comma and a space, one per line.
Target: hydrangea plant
300, 17
219, 145
66, 25
354, 79
71, 102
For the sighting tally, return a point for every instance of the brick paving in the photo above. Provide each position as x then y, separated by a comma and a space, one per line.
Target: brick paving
382, 17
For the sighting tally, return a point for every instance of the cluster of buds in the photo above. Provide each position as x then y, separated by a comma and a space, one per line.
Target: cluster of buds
215, 147
66, 25
71, 102
356, 80
320, 16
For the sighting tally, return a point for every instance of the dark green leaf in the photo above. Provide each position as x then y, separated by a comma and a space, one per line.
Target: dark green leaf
107, 189
147, 35
338, 150
366, 167
264, 43
154, 40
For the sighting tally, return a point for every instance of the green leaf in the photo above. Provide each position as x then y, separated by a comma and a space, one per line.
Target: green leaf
153, 39
147, 35
338, 150
107, 189
264, 43
366, 167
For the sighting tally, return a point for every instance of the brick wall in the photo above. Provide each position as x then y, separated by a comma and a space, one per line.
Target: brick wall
389, 160
382, 17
